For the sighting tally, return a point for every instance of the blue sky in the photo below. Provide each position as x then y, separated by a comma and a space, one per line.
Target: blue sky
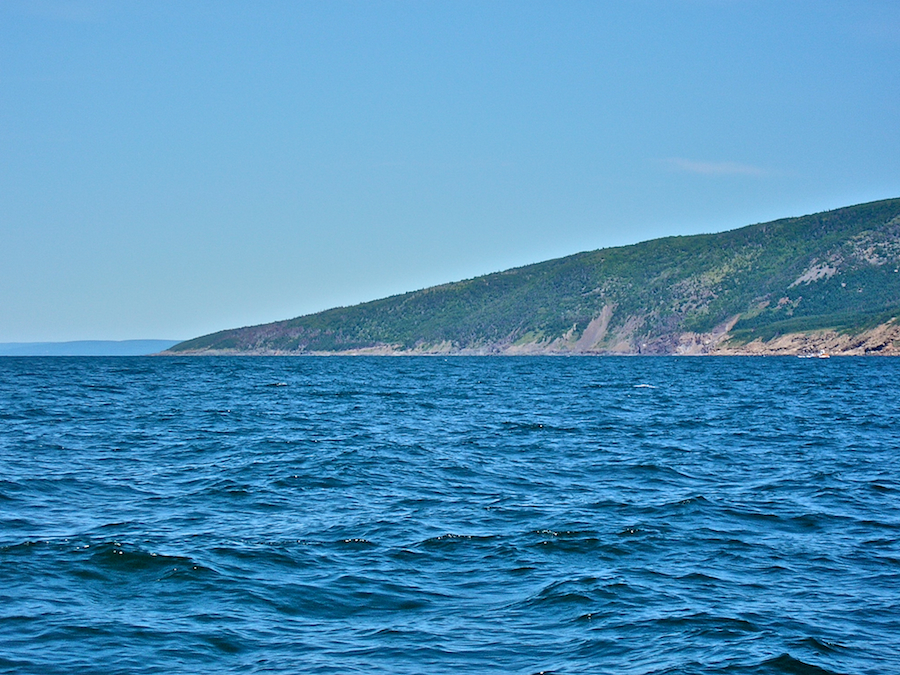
174, 168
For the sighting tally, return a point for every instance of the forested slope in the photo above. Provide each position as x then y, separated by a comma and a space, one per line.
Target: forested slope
835, 270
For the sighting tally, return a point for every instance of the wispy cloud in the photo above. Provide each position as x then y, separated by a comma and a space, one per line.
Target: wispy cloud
713, 168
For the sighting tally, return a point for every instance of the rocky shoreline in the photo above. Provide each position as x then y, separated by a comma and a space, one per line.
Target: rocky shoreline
883, 340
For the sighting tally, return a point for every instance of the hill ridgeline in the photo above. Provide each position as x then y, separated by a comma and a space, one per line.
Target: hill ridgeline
824, 282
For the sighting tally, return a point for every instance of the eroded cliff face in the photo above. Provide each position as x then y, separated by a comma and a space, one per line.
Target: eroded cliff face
627, 339
882, 340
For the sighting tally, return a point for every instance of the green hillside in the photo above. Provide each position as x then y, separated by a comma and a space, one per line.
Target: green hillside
834, 270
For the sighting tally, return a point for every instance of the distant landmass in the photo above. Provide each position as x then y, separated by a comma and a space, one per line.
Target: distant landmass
827, 282
86, 348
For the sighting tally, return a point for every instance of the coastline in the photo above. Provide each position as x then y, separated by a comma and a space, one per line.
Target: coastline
882, 340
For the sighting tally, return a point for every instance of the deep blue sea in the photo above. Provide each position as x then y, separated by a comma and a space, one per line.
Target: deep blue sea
461, 515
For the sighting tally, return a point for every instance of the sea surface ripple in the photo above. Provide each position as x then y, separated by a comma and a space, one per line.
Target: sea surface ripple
430, 515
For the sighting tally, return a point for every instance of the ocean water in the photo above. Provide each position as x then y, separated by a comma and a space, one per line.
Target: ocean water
461, 515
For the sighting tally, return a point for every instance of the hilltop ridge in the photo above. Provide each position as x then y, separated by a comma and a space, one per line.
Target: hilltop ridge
826, 281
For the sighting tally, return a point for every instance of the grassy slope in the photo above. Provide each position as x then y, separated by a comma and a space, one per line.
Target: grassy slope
656, 288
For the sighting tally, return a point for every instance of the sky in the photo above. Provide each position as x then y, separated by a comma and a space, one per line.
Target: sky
170, 169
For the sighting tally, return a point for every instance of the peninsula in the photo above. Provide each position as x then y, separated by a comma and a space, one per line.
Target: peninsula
827, 282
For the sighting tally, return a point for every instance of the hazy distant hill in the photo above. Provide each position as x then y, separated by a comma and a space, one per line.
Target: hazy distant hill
85, 348
828, 280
